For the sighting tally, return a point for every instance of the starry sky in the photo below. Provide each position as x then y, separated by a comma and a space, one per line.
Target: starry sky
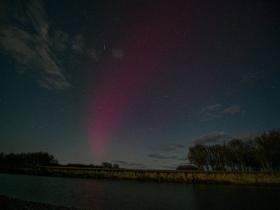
136, 82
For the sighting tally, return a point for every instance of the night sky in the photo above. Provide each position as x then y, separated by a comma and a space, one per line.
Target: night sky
136, 82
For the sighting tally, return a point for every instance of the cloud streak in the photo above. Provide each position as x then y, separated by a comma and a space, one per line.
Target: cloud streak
167, 152
29, 43
163, 157
168, 147
117, 53
232, 110
218, 110
252, 76
212, 138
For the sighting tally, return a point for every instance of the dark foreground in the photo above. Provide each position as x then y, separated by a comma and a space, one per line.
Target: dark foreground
106, 194
16, 204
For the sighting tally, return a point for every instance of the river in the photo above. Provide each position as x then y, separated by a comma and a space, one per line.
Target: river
133, 195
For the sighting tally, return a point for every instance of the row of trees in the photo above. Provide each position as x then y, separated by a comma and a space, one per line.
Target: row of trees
29, 160
26, 160
106, 165
261, 153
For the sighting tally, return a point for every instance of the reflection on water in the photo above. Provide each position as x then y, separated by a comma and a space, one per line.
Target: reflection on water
114, 194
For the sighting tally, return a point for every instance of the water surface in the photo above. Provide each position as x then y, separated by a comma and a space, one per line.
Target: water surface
128, 195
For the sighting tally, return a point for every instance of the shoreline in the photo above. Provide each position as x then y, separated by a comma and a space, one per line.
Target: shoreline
189, 177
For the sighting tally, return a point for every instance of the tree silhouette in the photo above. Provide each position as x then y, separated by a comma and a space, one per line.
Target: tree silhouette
250, 154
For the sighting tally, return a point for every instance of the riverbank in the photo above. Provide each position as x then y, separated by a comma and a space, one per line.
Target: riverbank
193, 177
16, 204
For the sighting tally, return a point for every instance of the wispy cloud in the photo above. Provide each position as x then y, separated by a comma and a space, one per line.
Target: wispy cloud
212, 108
212, 138
168, 147
117, 53
162, 157
232, 110
168, 152
94, 54
252, 76
78, 44
60, 41
218, 110
29, 43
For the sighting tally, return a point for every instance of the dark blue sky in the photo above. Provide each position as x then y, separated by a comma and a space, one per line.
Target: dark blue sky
135, 83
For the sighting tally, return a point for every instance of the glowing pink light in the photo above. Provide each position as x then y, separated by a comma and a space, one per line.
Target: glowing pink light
148, 47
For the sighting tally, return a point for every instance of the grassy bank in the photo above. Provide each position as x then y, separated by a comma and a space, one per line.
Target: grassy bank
259, 178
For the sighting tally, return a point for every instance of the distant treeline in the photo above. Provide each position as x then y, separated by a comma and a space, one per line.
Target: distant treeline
22, 160
103, 165
261, 153
35, 159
